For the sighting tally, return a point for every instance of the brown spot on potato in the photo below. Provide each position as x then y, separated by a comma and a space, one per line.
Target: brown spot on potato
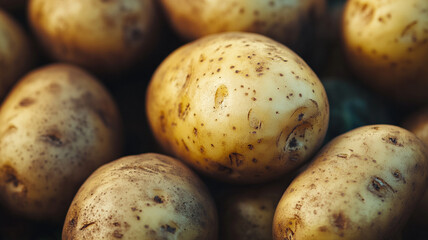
11, 178
380, 187
236, 158
391, 139
323, 229
183, 110
157, 199
86, 225
26, 102
340, 221
220, 95
168, 228
51, 139
117, 234
397, 175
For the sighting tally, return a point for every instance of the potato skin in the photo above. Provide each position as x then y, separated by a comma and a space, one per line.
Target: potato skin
16, 53
283, 20
147, 196
386, 44
102, 36
238, 107
363, 185
57, 125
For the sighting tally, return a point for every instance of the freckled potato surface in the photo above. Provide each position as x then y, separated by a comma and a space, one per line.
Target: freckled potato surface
238, 107
147, 196
362, 185
57, 125
386, 43
16, 55
283, 20
104, 36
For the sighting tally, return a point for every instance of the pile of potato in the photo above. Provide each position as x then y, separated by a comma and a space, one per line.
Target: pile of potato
221, 119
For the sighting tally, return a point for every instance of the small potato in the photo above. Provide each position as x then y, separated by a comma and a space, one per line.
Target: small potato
238, 107
293, 23
386, 43
57, 125
100, 35
247, 212
16, 53
362, 185
147, 196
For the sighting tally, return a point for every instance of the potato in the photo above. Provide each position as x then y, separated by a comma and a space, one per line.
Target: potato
386, 43
238, 107
147, 196
290, 22
57, 125
102, 36
247, 212
16, 53
363, 185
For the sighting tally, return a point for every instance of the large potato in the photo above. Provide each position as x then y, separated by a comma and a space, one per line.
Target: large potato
237, 106
293, 23
57, 125
386, 43
363, 185
103, 36
147, 196
16, 53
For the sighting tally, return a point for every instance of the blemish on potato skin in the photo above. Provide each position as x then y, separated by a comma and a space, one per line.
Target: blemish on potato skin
26, 102
86, 225
52, 139
380, 187
340, 221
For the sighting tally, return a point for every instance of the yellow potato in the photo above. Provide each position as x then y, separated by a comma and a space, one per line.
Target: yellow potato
16, 53
102, 36
57, 125
287, 21
239, 107
147, 196
386, 43
363, 185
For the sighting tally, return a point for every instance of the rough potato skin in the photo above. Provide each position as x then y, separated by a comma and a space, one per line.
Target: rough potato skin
103, 36
57, 125
16, 53
147, 196
239, 107
386, 44
363, 185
